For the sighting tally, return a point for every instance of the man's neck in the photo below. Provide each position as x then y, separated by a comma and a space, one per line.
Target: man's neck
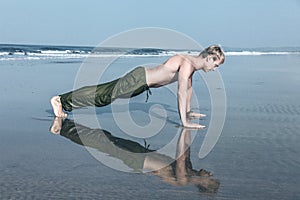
199, 62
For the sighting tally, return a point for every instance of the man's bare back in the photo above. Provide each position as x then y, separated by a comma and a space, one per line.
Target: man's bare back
167, 72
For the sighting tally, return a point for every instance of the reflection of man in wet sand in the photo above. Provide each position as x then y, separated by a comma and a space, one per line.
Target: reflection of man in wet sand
141, 159
178, 68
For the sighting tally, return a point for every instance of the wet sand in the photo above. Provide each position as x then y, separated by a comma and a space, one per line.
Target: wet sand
256, 157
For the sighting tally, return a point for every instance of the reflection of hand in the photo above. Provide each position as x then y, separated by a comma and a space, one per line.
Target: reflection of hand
206, 185
193, 125
192, 114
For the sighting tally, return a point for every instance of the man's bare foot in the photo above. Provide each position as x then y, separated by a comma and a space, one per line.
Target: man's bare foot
56, 125
57, 107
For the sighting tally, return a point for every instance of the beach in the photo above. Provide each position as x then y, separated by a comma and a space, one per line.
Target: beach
256, 156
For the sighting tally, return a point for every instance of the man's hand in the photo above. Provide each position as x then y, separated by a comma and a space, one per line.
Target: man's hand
192, 114
193, 125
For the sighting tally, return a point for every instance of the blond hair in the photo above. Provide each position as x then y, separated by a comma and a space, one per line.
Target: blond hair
213, 50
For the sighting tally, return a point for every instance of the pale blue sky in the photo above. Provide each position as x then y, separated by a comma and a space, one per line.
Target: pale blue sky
248, 23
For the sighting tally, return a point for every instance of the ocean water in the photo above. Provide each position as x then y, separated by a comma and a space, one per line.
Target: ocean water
10, 52
256, 156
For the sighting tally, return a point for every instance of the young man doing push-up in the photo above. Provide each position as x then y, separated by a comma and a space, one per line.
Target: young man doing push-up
177, 68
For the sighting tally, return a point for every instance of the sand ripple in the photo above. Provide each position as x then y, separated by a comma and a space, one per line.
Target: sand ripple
271, 131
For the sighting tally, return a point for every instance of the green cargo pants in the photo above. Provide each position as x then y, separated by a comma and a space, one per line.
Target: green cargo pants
130, 85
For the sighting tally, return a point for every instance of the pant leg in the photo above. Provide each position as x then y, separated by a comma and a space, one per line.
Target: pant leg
98, 95
130, 152
132, 84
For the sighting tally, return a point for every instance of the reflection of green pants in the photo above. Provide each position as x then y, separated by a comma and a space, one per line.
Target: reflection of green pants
130, 85
131, 153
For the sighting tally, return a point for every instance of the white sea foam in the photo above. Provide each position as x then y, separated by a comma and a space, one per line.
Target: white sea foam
31, 52
4, 53
257, 53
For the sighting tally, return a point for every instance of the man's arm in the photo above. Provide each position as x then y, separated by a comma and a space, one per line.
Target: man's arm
184, 76
190, 113
190, 93
182, 152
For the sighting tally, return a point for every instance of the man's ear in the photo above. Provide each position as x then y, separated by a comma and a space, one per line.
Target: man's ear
208, 58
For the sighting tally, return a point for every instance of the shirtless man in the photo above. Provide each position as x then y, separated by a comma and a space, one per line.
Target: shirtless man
177, 68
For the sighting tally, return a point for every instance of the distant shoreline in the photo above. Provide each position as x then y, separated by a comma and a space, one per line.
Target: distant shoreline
9, 52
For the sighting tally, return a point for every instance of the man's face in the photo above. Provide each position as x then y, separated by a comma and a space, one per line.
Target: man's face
211, 63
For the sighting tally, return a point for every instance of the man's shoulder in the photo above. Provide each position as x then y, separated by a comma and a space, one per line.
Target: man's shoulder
179, 58
176, 59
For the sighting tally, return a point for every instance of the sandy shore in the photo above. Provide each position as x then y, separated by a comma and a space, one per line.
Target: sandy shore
256, 157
